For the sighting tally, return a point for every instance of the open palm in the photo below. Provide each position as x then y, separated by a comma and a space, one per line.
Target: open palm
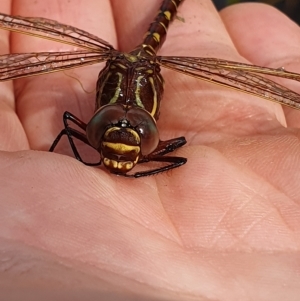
225, 226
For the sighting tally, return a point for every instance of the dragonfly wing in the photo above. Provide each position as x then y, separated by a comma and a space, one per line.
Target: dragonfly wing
14, 66
52, 30
237, 76
230, 65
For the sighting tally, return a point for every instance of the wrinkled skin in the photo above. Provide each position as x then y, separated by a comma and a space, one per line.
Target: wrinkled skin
226, 226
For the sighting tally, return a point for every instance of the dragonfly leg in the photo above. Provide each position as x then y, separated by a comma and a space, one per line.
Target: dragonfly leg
164, 147
174, 162
168, 146
70, 133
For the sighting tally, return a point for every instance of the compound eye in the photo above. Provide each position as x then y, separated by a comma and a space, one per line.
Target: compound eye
106, 116
145, 125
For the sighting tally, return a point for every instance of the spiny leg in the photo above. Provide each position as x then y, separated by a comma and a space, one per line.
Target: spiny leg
168, 146
70, 133
164, 147
175, 162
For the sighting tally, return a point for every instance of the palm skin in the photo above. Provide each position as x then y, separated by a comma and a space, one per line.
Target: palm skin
225, 226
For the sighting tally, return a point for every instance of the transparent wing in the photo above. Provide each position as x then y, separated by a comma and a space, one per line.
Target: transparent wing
14, 66
238, 76
52, 30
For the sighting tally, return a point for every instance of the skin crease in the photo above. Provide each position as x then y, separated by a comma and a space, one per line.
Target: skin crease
223, 227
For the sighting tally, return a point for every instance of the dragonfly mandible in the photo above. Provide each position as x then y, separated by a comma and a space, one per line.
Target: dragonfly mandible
130, 87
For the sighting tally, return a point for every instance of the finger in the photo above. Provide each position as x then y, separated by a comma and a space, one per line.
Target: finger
12, 135
132, 20
268, 38
43, 99
139, 15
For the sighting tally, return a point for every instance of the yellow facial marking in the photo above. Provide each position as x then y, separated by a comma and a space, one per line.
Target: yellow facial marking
116, 128
110, 163
121, 148
125, 165
121, 166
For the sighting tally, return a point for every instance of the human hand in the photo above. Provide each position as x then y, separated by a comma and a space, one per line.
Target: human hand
225, 226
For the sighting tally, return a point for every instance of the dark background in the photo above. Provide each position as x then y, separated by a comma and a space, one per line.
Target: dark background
290, 7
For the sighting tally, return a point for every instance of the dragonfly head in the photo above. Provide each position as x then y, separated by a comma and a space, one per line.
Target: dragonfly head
122, 135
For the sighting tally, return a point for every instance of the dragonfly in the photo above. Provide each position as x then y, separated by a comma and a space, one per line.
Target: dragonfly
129, 89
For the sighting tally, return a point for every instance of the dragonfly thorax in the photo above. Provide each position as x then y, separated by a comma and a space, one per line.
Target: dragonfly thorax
131, 80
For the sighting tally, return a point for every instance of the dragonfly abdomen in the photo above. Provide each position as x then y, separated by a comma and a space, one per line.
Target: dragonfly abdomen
157, 31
